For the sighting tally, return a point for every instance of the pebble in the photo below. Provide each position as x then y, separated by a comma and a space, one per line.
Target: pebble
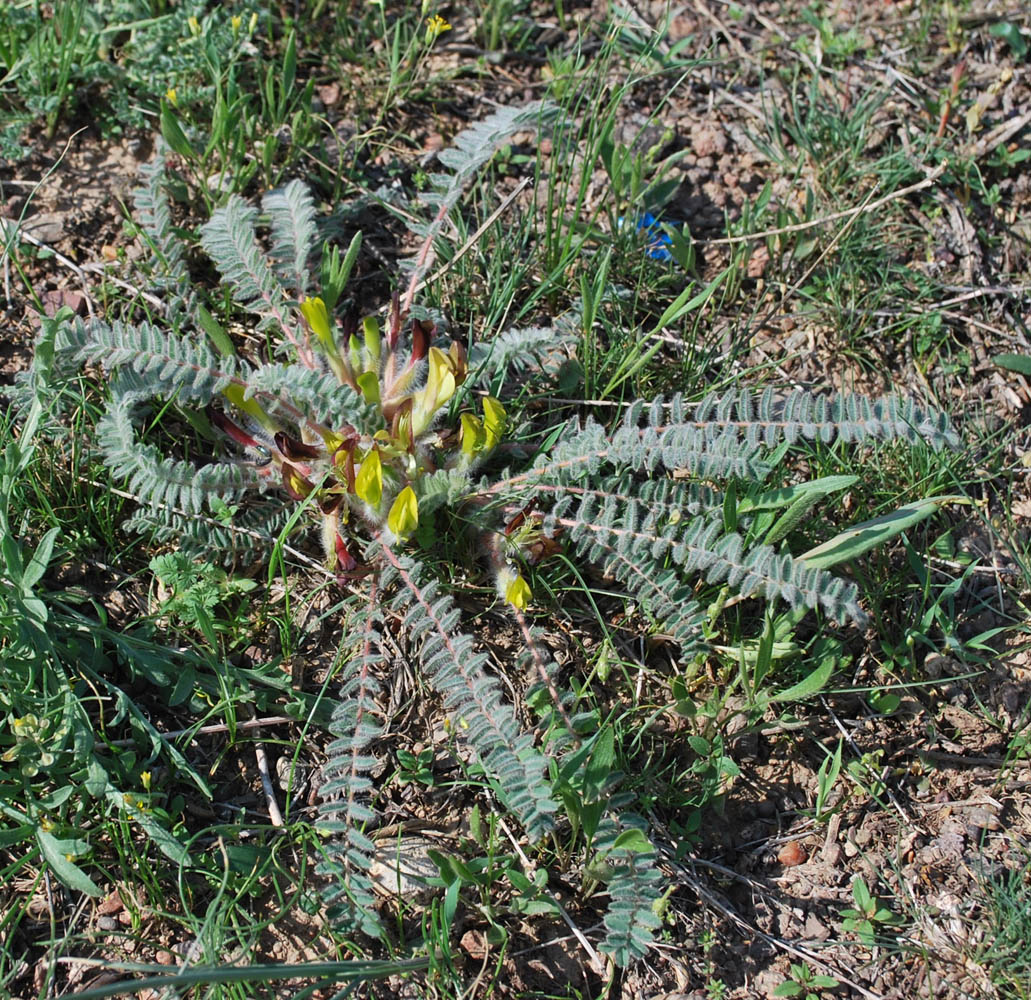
832, 855
792, 854
112, 904
106, 923
47, 227
815, 929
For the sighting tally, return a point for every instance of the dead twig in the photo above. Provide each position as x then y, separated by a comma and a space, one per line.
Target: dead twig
598, 963
217, 727
798, 227
266, 783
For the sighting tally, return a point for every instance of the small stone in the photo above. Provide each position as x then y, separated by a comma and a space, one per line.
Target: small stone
475, 946
106, 923
757, 263
850, 848
815, 929
329, 93
112, 904
982, 818
831, 854
109, 252
708, 138
792, 854
56, 299
164, 957
47, 227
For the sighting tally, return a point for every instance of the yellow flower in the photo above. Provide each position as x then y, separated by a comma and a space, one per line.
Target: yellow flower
368, 484
513, 588
24, 727
518, 593
403, 518
145, 778
440, 387
236, 21
194, 26
171, 95
435, 27
314, 311
493, 420
473, 435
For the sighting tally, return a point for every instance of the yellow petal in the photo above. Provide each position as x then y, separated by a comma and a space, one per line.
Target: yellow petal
368, 483
518, 593
473, 436
441, 378
440, 387
314, 311
403, 518
493, 420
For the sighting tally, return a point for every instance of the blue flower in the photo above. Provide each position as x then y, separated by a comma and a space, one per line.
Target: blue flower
658, 240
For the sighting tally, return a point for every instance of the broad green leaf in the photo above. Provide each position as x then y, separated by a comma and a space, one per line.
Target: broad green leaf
599, 765
37, 565
632, 840
16, 834
809, 685
213, 329
1019, 363
58, 855
1010, 34
174, 135
787, 495
863, 537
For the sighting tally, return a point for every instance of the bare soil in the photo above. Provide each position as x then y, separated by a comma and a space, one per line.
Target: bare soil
946, 806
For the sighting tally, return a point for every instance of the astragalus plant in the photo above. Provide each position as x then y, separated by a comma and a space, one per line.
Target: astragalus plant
385, 433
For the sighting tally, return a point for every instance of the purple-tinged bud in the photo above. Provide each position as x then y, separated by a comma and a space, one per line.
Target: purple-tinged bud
226, 426
422, 337
395, 321
293, 449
